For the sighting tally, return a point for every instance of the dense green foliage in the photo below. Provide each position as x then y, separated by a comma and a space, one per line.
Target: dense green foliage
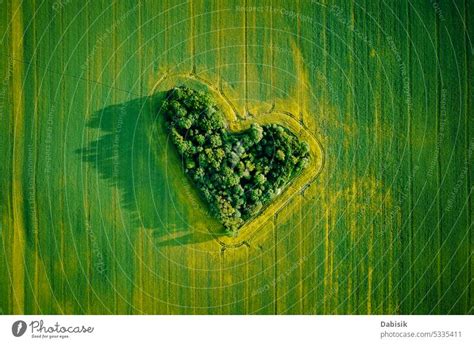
237, 174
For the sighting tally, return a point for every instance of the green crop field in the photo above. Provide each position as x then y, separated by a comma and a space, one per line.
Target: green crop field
99, 217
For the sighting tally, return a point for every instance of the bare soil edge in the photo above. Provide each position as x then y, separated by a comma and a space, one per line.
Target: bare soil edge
239, 122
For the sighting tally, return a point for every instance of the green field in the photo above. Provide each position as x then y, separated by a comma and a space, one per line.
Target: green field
98, 216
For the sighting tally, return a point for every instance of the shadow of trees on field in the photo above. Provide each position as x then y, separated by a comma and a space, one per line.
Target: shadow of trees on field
130, 149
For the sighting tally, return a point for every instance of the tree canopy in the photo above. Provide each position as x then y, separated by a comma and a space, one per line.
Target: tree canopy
236, 173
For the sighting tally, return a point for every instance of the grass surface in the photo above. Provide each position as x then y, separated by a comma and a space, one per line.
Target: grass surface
97, 216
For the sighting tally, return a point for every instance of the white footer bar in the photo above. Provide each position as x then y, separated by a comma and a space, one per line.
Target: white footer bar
236, 329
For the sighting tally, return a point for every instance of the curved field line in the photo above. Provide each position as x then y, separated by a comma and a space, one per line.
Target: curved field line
237, 123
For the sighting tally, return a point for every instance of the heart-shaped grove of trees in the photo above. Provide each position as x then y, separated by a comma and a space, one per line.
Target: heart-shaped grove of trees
238, 174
